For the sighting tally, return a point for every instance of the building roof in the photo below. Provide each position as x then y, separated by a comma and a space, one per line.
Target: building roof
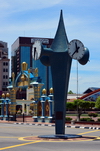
91, 89
30, 74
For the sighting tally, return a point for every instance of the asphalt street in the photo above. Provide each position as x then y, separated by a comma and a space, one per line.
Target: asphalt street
14, 137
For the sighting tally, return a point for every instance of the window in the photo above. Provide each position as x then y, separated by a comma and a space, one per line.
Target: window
3, 76
6, 63
3, 83
4, 89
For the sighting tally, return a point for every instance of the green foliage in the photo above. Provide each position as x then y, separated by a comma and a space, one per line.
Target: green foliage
68, 118
97, 104
92, 114
78, 103
98, 120
84, 104
86, 119
70, 92
70, 105
92, 104
83, 119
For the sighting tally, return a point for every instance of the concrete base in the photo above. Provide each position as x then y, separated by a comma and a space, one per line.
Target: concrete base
48, 120
65, 136
41, 119
12, 118
35, 119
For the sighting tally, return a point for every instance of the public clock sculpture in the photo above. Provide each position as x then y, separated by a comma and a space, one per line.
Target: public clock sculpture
59, 58
76, 49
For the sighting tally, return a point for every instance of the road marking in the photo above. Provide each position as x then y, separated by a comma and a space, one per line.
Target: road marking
50, 140
19, 145
23, 138
98, 137
88, 132
8, 137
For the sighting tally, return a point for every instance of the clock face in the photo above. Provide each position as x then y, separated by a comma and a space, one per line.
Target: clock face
76, 49
36, 50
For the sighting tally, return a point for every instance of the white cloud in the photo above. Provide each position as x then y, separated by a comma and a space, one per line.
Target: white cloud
14, 6
78, 3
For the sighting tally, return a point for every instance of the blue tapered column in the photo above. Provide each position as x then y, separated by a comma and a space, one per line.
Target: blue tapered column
60, 75
59, 60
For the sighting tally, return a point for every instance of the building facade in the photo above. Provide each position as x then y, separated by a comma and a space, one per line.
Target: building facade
22, 52
4, 67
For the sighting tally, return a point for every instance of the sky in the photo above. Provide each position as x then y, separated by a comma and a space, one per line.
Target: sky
39, 18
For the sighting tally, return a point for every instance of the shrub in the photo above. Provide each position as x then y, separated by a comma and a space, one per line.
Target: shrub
83, 119
68, 118
86, 119
98, 120
92, 114
90, 120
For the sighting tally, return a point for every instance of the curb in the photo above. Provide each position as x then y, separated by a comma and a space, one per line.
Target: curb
67, 126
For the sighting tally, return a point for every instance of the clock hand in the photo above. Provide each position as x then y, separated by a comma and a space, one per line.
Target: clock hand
74, 52
77, 48
35, 53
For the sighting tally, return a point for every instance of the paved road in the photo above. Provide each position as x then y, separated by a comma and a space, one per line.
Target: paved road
12, 137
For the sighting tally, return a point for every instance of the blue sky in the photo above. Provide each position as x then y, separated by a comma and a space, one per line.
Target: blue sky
39, 18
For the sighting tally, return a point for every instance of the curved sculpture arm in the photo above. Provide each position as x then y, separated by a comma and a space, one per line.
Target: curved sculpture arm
85, 58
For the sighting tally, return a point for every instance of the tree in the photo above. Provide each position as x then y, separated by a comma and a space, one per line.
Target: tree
92, 104
70, 92
85, 105
78, 104
70, 106
97, 104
